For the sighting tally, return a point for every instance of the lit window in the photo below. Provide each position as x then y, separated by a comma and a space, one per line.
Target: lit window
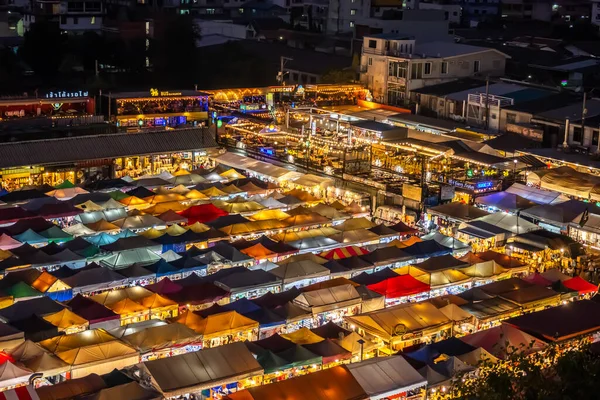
351, 24
353, 11
93, 21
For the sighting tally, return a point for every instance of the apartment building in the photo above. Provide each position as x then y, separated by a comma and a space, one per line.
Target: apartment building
392, 64
72, 16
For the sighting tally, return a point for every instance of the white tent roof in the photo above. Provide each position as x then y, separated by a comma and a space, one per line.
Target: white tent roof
170, 255
11, 375
509, 222
536, 195
258, 167
108, 215
79, 230
383, 377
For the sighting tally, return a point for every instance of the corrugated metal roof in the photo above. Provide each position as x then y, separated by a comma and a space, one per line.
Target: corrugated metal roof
82, 148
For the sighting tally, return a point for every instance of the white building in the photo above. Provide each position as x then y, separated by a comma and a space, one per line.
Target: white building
392, 65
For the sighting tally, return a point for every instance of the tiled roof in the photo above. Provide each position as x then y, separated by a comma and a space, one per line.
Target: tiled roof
103, 146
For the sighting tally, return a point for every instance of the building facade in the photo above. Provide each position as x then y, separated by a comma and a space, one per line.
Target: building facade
393, 65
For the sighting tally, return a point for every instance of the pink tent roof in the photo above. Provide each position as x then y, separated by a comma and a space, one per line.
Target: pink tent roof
581, 285
537, 279
496, 340
7, 242
164, 286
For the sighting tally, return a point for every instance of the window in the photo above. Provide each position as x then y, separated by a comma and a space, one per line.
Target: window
595, 138
455, 13
577, 134
210, 10
351, 24
444, 67
75, 20
147, 27
372, 44
427, 69
241, 10
511, 118
416, 71
353, 11
476, 66
93, 21
370, 60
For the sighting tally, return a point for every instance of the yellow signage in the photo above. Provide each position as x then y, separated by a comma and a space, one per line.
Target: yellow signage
153, 92
156, 93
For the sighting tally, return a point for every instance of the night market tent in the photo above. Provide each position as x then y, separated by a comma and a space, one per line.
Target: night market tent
536, 195
271, 203
66, 321
98, 315
12, 375
554, 275
504, 260
36, 359
138, 222
477, 357
141, 192
55, 234
386, 377
428, 248
214, 177
354, 208
237, 208
344, 252
399, 286
484, 269
126, 258
10, 336
232, 189
329, 350
316, 243
440, 263
268, 215
195, 195
127, 391
214, 192
204, 369
251, 188
303, 336
354, 224
40, 306
329, 212
508, 222
164, 198
335, 383
457, 211
135, 327
160, 208
8, 242
272, 362
299, 270
21, 291
171, 217
91, 280
95, 216
354, 236
455, 313
330, 331
227, 323
232, 174
66, 193
328, 299
153, 182
79, 230
135, 293
498, 339
113, 204
203, 213
188, 180
36, 328
565, 180
134, 203
102, 239
91, 351
393, 322
401, 244
30, 237
448, 241
162, 337
298, 356
505, 201
580, 285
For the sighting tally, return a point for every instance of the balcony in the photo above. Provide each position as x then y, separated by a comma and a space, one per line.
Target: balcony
389, 53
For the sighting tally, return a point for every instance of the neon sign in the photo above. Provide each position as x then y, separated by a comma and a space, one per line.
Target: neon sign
63, 94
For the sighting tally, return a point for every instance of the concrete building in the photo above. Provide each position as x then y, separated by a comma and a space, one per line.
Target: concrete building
392, 65
72, 16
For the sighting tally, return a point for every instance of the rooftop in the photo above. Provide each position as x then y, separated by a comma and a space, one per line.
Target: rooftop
447, 50
390, 36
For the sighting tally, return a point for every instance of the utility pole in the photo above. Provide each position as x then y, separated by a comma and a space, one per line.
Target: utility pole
487, 103
282, 61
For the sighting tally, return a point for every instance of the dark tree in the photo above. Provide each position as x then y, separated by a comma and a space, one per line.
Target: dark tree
43, 49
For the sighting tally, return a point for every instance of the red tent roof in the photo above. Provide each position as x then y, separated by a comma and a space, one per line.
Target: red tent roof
164, 286
202, 213
537, 279
399, 286
581, 285
4, 357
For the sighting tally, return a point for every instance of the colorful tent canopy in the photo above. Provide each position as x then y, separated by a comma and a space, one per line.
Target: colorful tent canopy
399, 286
344, 252
66, 319
580, 285
203, 213
501, 339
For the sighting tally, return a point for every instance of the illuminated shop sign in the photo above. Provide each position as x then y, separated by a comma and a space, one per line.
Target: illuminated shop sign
155, 93
63, 95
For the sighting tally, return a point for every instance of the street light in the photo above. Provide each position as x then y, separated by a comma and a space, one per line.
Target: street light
515, 169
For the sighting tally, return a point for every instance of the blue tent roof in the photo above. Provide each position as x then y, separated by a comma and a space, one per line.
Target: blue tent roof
30, 237
427, 248
125, 234
242, 306
161, 268
102, 239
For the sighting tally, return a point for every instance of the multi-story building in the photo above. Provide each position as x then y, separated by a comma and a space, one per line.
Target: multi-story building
595, 17
392, 65
72, 16
344, 15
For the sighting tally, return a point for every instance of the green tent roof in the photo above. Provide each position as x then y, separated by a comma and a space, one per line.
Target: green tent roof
21, 289
55, 234
88, 252
65, 185
118, 195
271, 362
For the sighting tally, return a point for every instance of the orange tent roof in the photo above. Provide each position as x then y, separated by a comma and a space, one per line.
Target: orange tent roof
190, 319
102, 226
258, 251
303, 336
225, 323
195, 195
164, 198
405, 243
156, 301
65, 319
132, 201
127, 306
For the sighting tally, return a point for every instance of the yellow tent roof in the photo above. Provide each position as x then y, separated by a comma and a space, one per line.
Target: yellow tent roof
4, 254
160, 208
134, 293
354, 224
405, 243
303, 336
258, 251
164, 198
181, 172
126, 306
337, 205
96, 353
447, 277
269, 214
102, 226
152, 233
225, 323
231, 189
190, 319
195, 195
133, 201
75, 340
157, 301
241, 228
213, 192
179, 189
198, 227
232, 174
89, 206
236, 208
176, 230
66, 319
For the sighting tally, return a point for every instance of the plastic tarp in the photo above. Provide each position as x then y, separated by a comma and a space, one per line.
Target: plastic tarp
567, 181
7, 242
401, 319
383, 377
193, 372
580, 285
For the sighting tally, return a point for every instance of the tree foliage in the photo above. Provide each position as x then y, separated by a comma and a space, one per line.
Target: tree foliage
557, 373
339, 76
43, 48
